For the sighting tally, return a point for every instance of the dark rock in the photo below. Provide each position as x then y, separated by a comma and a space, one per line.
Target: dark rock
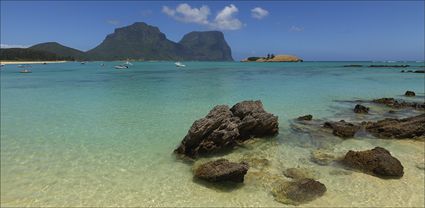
342, 128
419, 71
377, 161
402, 71
299, 191
353, 65
391, 111
393, 103
410, 93
412, 127
361, 109
300, 173
254, 120
224, 128
305, 118
392, 66
222, 170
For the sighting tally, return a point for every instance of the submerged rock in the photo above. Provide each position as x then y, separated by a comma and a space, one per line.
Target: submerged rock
361, 109
377, 161
225, 127
408, 128
409, 93
299, 191
321, 157
300, 173
222, 170
342, 129
258, 163
305, 118
393, 103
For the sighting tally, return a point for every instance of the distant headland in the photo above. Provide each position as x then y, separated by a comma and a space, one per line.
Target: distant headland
273, 58
138, 41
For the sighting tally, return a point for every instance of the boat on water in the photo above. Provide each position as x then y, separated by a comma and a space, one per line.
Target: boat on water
24, 66
83, 62
179, 64
25, 71
128, 63
121, 67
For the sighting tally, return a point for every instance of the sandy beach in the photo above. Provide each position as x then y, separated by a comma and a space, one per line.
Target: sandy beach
30, 62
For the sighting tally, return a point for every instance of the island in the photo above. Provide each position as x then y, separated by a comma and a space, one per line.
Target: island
273, 58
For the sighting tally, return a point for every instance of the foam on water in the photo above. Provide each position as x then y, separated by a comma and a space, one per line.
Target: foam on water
86, 135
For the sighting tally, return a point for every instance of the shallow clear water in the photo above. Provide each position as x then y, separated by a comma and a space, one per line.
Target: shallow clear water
86, 135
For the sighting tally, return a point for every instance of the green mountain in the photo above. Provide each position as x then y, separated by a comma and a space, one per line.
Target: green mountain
60, 50
27, 54
143, 41
137, 41
207, 46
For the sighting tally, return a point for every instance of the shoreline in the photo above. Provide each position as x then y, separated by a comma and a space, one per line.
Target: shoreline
30, 62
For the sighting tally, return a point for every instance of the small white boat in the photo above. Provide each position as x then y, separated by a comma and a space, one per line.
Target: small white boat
121, 67
24, 66
178, 64
83, 62
25, 71
128, 63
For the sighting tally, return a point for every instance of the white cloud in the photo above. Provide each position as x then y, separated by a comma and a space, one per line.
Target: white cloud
296, 29
259, 13
113, 22
12, 46
185, 13
223, 21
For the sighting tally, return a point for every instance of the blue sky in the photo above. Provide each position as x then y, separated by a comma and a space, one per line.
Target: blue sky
313, 30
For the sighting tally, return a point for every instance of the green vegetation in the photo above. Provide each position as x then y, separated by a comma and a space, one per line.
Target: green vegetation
138, 41
254, 58
60, 50
26, 54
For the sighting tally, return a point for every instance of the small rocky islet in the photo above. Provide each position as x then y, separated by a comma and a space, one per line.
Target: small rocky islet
225, 128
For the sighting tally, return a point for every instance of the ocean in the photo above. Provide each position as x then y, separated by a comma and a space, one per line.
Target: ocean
89, 135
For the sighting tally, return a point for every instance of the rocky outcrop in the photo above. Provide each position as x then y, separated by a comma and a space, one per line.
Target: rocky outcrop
225, 127
361, 109
342, 129
300, 173
412, 127
207, 46
393, 103
322, 157
378, 162
409, 93
222, 170
305, 118
298, 191
277, 58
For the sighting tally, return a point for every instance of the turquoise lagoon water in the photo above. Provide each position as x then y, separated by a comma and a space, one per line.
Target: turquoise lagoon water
86, 135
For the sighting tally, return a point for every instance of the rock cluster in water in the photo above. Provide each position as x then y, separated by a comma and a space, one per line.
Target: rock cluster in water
409, 93
412, 127
225, 127
342, 129
393, 103
305, 118
298, 191
361, 109
222, 170
377, 161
